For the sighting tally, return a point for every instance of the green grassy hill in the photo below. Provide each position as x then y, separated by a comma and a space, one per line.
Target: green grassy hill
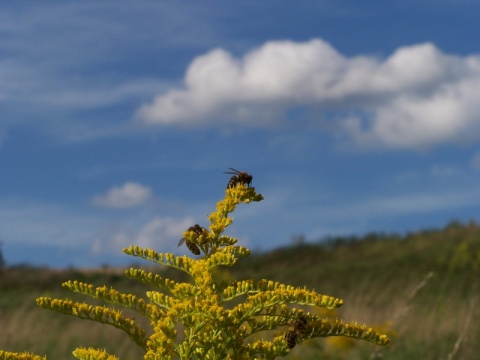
422, 288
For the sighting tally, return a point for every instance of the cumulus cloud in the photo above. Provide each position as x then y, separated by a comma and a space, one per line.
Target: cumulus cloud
417, 96
126, 196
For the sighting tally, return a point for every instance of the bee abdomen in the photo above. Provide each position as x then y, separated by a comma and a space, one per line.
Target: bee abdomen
192, 247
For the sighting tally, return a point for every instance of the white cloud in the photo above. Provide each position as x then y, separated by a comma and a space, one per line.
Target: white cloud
159, 233
417, 96
111, 238
126, 196
162, 232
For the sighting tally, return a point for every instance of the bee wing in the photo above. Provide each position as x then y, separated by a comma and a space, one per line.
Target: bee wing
182, 240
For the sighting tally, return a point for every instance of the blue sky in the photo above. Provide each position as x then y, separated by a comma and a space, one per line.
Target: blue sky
118, 119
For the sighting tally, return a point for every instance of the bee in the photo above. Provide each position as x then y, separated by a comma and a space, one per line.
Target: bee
197, 229
239, 177
299, 328
291, 337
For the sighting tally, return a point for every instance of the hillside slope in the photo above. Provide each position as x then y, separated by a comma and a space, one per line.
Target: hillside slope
421, 288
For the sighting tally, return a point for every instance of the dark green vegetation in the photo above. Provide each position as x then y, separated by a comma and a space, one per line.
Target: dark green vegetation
423, 289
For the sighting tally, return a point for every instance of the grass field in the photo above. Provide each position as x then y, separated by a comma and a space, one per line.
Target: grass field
423, 289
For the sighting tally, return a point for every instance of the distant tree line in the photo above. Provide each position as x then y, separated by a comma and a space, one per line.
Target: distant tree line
332, 241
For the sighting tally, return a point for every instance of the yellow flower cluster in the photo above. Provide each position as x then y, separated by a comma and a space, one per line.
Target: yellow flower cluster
219, 219
93, 354
5, 355
203, 319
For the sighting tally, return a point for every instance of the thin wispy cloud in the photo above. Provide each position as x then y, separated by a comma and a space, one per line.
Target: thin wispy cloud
475, 162
29, 222
61, 60
128, 195
162, 232
417, 96
158, 232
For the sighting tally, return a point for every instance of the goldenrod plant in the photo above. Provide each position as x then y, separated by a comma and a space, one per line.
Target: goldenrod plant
5, 355
208, 318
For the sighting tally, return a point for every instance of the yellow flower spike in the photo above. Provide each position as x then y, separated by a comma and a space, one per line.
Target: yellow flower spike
93, 354
211, 328
6, 355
